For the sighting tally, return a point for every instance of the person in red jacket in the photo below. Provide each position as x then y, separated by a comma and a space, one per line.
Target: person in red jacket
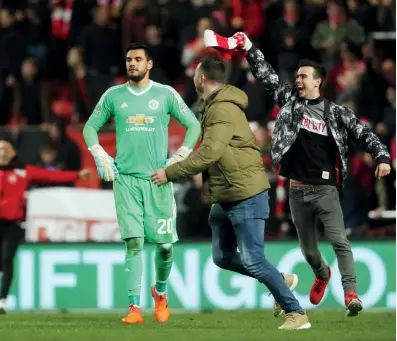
15, 177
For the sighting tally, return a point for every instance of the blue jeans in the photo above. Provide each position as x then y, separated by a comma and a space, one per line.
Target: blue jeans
242, 224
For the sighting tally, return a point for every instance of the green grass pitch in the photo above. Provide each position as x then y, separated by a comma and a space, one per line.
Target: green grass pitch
219, 325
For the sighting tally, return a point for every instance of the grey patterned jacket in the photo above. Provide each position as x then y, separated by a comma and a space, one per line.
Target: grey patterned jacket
341, 121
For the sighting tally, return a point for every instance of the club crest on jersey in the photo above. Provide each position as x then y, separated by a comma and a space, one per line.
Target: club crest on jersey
153, 104
139, 119
183, 107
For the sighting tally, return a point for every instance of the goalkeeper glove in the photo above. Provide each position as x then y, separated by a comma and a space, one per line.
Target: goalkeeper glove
105, 165
181, 154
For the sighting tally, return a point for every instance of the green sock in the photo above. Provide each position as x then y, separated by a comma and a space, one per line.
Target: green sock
163, 262
133, 269
135, 300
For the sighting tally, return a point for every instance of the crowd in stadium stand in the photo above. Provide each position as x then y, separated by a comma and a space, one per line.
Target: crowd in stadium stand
58, 56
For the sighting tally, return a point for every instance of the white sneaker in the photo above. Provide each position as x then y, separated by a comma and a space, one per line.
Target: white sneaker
2, 306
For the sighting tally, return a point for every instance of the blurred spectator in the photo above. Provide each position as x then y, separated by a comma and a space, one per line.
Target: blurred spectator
38, 21
383, 76
31, 100
329, 34
348, 71
263, 139
82, 16
158, 52
114, 7
60, 30
385, 14
20, 22
100, 43
181, 22
136, 15
48, 158
221, 13
156, 47
289, 39
68, 153
259, 102
62, 11
68, 19
364, 14
348, 81
192, 212
386, 128
359, 187
12, 53
247, 16
388, 71
315, 12
82, 106
393, 153
358, 191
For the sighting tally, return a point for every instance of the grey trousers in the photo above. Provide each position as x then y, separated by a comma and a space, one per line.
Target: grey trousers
322, 203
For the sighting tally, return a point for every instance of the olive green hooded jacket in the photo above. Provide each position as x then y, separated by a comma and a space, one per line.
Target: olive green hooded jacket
228, 156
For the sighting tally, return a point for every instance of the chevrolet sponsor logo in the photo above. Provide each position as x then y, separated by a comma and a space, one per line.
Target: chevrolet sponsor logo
140, 119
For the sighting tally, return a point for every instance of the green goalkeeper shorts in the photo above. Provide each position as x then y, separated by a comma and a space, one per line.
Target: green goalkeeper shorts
145, 210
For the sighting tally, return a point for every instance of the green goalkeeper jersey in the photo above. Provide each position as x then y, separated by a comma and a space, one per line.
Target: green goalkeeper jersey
141, 117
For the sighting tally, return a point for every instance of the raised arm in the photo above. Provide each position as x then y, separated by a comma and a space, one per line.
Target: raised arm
264, 72
260, 68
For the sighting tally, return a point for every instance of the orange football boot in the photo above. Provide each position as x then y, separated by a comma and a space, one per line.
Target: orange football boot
134, 316
161, 310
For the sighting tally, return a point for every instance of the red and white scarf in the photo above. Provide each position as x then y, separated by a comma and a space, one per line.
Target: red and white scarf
60, 20
215, 40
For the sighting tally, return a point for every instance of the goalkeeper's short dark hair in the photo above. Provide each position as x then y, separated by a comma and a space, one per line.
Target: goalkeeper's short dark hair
214, 68
139, 46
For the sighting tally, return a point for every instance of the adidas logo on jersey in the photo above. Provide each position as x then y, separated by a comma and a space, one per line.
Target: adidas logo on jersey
124, 105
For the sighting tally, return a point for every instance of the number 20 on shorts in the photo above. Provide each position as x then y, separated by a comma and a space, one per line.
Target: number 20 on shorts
165, 226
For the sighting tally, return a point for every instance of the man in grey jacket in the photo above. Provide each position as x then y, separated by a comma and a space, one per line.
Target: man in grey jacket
309, 142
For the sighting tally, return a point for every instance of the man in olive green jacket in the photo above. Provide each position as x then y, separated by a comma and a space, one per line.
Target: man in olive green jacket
235, 181
229, 156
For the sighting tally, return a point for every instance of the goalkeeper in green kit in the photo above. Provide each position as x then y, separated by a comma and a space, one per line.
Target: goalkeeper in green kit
141, 109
